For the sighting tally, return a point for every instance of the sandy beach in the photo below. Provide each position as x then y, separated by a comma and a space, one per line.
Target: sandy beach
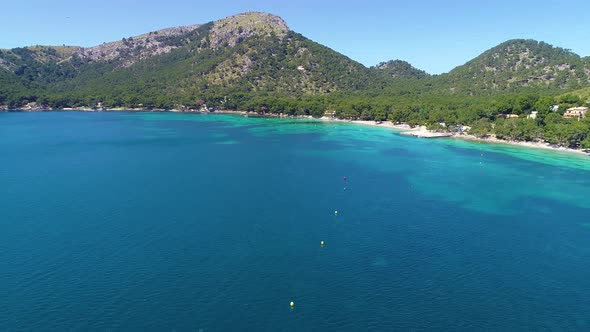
422, 132
384, 124
404, 129
537, 145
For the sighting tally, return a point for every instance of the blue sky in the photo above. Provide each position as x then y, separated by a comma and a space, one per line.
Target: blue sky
435, 36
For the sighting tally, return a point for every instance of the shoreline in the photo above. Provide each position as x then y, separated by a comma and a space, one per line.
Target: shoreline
535, 145
382, 124
422, 132
403, 129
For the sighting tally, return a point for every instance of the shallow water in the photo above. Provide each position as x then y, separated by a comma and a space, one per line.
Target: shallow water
145, 221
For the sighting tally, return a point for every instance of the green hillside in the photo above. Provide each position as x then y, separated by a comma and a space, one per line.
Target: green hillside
254, 54
518, 65
253, 61
400, 69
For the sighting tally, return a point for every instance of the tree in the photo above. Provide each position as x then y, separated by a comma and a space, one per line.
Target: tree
543, 104
585, 144
570, 99
481, 128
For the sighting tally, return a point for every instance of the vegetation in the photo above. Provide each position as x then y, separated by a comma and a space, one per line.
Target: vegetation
399, 68
518, 64
253, 62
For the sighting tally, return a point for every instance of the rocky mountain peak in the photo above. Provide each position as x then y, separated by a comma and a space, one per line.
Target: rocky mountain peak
234, 29
143, 46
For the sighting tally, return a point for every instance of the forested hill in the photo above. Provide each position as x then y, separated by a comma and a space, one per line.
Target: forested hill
251, 53
252, 60
400, 69
10, 85
518, 64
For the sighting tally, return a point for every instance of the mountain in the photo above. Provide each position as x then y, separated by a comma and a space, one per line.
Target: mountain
252, 56
400, 69
582, 95
517, 64
10, 85
251, 53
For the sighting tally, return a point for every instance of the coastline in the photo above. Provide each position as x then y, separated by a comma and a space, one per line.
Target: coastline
422, 132
382, 124
403, 129
535, 145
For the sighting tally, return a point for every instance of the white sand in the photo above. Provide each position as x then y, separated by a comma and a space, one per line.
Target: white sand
421, 131
537, 145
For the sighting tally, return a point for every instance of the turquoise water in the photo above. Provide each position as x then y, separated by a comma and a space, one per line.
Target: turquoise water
174, 222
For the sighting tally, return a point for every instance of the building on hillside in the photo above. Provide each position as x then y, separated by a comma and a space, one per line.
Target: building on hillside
462, 129
329, 113
575, 112
533, 115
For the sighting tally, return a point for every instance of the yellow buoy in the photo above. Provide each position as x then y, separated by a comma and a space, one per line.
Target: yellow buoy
292, 304
321, 243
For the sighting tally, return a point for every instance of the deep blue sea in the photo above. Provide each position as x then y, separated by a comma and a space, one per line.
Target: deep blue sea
202, 222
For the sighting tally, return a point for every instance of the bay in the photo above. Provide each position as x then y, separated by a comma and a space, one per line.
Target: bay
203, 222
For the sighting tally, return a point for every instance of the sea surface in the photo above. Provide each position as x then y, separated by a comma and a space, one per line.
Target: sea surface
203, 222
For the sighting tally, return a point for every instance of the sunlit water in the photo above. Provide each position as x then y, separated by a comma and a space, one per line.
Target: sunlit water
144, 221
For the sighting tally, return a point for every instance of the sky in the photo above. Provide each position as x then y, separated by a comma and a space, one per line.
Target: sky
434, 36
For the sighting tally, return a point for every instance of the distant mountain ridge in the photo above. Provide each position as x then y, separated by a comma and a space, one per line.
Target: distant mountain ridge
145, 45
140, 47
256, 54
520, 63
245, 53
400, 69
